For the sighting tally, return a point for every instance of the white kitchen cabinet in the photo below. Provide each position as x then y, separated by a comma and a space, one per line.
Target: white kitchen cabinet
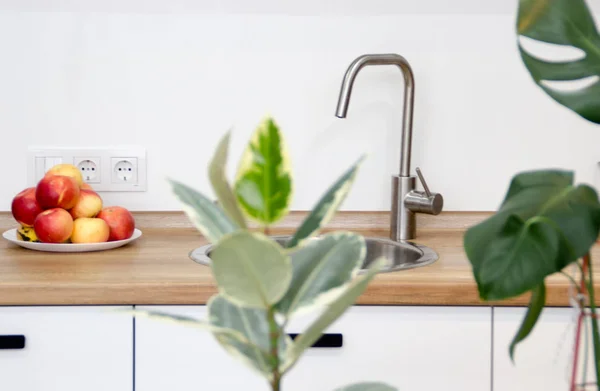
175, 357
543, 360
67, 349
412, 348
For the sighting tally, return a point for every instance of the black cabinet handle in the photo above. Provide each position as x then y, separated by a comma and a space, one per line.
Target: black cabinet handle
12, 342
326, 340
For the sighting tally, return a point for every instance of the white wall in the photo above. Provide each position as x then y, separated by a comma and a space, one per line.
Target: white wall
172, 76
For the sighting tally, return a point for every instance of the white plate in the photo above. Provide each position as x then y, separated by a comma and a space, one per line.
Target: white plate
11, 236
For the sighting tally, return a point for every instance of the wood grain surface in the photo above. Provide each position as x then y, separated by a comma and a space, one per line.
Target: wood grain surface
157, 269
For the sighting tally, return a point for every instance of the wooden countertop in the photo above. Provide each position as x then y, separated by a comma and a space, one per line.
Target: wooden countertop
157, 270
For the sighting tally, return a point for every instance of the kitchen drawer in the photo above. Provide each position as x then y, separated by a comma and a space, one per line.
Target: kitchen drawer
66, 349
412, 348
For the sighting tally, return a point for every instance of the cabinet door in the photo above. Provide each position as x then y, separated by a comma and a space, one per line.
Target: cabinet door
412, 348
174, 357
66, 349
543, 360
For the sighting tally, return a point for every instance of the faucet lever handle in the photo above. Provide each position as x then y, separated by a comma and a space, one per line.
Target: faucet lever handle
430, 203
422, 179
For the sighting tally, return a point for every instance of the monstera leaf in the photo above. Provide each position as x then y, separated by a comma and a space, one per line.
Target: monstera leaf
264, 183
544, 224
564, 22
534, 310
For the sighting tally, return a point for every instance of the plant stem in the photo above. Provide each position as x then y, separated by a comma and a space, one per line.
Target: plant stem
572, 280
587, 261
274, 338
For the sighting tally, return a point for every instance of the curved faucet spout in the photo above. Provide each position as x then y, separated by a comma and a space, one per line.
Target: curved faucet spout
406, 201
409, 94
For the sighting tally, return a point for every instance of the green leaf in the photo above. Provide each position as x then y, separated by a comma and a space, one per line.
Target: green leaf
544, 224
218, 179
536, 305
251, 270
369, 386
326, 207
322, 269
332, 313
253, 325
563, 22
264, 184
208, 218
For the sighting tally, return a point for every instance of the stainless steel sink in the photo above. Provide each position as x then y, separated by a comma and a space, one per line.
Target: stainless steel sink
400, 255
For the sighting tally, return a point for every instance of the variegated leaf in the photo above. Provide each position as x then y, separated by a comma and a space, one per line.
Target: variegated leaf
187, 321
326, 207
368, 386
322, 269
264, 183
332, 313
208, 218
253, 324
251, 270
221, 187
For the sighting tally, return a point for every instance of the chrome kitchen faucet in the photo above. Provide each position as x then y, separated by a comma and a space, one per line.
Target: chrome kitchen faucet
406, 201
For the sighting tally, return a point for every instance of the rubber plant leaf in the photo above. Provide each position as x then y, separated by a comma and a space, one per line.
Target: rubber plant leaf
543, 224
326, 206
220, 185
321, 270
208, 218
253, 325
251, 270
368, 386
567, 23
332, 313
534, 310
187, 321
263, 183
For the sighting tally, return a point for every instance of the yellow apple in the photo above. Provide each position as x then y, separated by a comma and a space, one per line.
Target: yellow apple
89, 230
88, 205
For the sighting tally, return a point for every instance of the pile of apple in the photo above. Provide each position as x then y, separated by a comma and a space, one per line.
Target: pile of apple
62, 208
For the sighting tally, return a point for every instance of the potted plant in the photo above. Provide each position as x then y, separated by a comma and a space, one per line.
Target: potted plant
262, 285
546, 222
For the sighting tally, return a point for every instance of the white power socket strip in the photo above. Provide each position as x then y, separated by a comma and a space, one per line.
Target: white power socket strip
104, 168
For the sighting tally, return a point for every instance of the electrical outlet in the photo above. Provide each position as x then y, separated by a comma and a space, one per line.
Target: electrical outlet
124, 170
105, 168
90, 168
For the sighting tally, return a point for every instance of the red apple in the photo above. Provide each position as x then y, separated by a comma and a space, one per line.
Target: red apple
119, 220
25, 207
53, 226
67, 170
88, 205
57, 191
